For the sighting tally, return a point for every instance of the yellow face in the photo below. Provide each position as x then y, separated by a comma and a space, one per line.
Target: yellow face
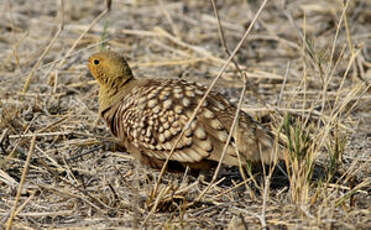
107, 67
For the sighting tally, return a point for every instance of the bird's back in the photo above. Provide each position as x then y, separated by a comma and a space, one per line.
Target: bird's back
149, 116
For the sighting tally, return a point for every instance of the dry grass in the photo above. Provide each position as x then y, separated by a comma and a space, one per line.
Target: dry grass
307, 68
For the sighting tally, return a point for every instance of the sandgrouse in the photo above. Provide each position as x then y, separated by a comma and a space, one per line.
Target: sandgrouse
148, 115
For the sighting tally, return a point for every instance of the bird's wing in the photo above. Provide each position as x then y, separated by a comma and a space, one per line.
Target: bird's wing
253, 142
151, 118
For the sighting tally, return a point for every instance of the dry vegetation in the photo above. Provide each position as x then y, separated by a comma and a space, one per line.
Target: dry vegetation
308, 72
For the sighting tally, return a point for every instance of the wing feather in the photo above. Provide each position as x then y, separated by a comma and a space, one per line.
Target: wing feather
154, 116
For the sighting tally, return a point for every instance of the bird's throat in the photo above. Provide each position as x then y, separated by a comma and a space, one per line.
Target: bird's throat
111, 93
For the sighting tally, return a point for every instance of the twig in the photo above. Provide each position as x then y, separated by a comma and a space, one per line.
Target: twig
40, 134
237, 113
153, 209
222, 37
188, 46
169, 19
265, 196
21, 207
233, 188
224, 44
283, 84
97, 19
245, 84
84, 153
262, 221
328, 78
46, 50
205, 96
20, 186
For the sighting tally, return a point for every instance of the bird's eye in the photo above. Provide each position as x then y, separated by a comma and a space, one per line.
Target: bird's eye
96, 62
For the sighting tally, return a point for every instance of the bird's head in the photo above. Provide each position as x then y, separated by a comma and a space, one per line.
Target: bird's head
109, 68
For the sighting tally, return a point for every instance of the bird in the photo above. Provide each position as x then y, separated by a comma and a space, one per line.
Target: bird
146, 115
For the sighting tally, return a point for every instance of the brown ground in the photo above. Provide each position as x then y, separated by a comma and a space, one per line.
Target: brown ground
76, 180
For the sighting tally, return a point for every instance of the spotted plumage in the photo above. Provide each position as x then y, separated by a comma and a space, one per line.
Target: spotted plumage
148, 115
